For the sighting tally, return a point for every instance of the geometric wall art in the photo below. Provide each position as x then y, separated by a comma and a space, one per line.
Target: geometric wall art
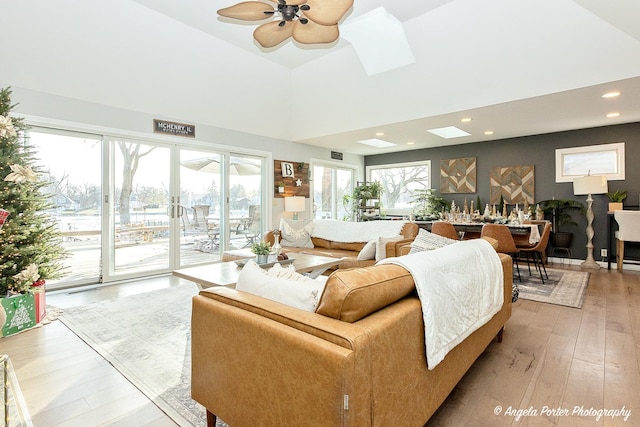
458, 175
514, 183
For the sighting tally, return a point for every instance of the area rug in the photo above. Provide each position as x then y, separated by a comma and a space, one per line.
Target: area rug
147, 337
564, 287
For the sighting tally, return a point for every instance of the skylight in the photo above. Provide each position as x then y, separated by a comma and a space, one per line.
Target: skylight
449, 132
379, 40
375, 142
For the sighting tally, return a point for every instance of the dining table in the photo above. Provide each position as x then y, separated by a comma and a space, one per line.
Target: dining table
523, 234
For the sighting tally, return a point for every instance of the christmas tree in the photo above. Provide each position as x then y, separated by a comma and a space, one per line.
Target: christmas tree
30, 245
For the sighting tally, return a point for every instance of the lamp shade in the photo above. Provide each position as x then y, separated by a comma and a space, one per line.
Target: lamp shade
294, 204
590, 184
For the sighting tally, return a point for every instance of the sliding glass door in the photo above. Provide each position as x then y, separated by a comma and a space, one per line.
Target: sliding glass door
330, 184
131, 208
139, 220
198, 205
71, 163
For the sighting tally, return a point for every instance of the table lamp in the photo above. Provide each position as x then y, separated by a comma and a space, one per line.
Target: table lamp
294, 204
590, 184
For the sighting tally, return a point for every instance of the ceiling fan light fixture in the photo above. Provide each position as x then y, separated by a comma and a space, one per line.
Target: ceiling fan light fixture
318, 25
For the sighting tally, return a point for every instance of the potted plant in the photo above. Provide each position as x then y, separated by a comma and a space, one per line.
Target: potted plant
364, 195
559, 212
428, 206
261, 249
616, 198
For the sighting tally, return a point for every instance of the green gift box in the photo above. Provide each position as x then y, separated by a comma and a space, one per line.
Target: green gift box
20, 312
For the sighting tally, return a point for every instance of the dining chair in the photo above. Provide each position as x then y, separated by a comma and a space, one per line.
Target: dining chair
536, 252
506, 244
445, 229
628, 231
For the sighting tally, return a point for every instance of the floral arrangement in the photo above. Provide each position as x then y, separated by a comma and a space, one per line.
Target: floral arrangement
28, 280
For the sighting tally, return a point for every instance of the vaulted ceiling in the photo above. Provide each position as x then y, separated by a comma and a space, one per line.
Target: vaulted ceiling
514, 67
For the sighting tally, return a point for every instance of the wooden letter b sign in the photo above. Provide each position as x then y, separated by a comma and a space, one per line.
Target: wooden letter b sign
287, 169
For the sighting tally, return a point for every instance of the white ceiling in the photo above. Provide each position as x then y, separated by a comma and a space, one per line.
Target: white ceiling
515, 67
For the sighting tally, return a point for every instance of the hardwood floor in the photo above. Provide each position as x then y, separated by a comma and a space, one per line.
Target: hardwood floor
560, 358
551, 357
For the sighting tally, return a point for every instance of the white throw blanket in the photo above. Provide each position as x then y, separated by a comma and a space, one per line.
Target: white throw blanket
348, 232
460, 287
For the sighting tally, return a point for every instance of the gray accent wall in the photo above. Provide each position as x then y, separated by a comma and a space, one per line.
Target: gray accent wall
539, 150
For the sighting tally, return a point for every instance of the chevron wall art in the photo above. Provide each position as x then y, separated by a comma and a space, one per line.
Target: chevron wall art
458, 175
514, 183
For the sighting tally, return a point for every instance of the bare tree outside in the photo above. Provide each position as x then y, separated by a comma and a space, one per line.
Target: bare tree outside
131, 156
399, 183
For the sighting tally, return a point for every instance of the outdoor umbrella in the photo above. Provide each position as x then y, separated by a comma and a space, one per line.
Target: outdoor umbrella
237, 166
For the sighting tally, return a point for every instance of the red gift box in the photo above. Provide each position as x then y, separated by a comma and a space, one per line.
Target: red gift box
3, 216
39, 296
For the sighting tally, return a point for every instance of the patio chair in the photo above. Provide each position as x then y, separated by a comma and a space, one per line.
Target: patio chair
252, 231
205, 226
200, 214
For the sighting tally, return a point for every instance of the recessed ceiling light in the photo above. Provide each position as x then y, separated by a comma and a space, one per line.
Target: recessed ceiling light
449, 132
378, 143
379, 133
611, 94
465, 120
410, 143
488, 132
613, 115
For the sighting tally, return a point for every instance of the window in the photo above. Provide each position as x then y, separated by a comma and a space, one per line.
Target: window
399, 182
604, 159
330, 184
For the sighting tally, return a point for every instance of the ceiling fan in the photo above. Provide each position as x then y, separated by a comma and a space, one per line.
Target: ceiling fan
307, 21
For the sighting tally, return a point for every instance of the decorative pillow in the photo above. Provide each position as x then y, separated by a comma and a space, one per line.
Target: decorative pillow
286, 287
426, 241
381, 246
296, 234
353, 293
369, 251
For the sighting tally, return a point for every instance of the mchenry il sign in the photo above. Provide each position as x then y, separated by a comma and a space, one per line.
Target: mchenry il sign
173, 128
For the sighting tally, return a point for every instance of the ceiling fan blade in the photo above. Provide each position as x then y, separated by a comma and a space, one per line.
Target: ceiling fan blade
312, 33
327, 12
247, 11
272, 34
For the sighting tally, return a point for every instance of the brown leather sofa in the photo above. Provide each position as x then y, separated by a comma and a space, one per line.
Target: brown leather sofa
359, 360
349, 251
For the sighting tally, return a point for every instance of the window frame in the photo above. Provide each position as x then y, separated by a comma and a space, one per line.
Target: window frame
423, 163
563, 172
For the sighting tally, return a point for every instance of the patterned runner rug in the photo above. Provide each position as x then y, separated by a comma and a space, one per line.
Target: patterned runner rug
147, 337
564, 287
